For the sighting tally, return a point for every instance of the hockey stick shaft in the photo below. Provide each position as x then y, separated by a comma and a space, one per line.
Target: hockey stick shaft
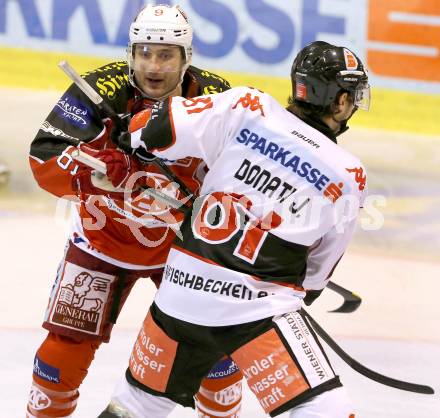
363, 370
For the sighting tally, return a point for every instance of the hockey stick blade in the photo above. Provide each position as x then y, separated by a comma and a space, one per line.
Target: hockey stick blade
351, 300
363, 370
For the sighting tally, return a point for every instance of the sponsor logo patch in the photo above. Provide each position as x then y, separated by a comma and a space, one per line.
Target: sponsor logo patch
359, 176
226, 396
222, 369
305, 139
47, 127
308, 353
111, 84
301, 90
80, 299
270, 371
217, 287
251, 103
296, 163
74, 111
153, 356
350, 60
45, 371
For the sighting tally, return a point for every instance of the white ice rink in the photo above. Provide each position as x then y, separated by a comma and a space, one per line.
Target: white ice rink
395, 331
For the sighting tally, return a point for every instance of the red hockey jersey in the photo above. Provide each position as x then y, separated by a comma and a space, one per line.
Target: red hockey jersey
134, 233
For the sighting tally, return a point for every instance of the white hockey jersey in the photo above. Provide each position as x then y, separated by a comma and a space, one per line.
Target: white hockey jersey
277, 207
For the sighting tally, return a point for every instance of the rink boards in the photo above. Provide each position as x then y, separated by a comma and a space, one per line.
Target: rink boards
394, 110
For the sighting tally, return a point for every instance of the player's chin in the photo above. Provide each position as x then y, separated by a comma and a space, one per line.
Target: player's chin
153, 90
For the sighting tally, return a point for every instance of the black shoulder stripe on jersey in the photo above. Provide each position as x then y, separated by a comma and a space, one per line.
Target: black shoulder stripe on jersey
47, 148
159, 132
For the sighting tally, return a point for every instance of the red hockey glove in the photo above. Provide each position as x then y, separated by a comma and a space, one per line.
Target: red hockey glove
120, 167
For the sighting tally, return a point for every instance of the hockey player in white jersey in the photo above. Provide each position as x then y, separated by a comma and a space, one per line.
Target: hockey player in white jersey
276, 212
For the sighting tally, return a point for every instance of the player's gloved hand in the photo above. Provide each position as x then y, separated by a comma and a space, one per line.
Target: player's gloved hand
120, 167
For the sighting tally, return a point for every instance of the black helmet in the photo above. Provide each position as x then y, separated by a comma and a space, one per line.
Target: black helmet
321, 70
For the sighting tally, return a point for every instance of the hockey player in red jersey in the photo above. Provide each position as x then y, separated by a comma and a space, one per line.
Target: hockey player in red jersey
116, 237
276, 212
